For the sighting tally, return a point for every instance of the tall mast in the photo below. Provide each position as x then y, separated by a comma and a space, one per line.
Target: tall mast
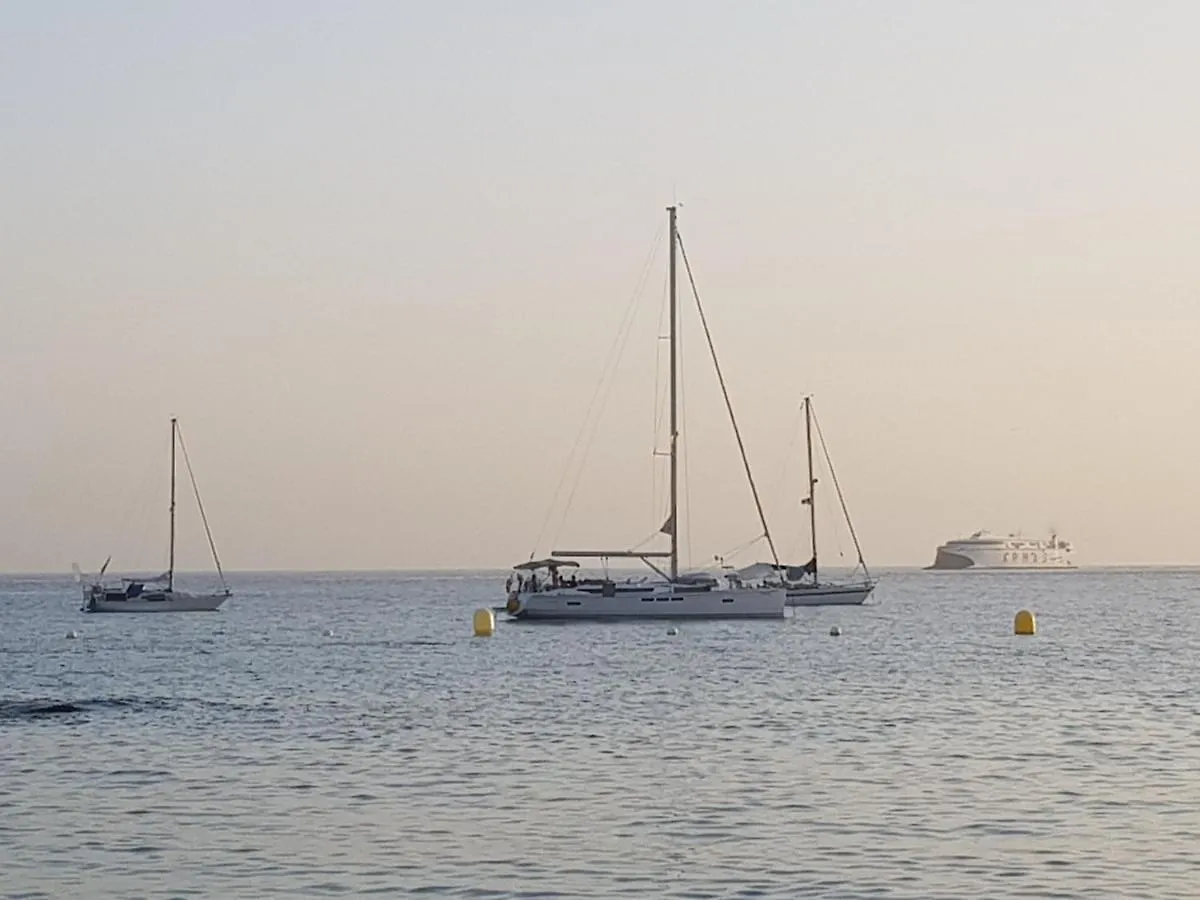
171, 559
671, 517
812, 484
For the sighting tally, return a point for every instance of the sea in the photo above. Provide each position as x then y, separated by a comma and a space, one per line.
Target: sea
346, 735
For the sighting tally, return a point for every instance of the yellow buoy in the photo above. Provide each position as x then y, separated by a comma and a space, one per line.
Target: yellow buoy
485, 622
1024, 623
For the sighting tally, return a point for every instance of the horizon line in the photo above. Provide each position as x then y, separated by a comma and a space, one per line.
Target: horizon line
424, 570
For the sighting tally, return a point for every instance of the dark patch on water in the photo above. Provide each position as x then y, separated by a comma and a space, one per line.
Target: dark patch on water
47, 708
37, 709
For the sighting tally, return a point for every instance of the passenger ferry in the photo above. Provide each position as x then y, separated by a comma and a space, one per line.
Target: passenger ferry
983, 550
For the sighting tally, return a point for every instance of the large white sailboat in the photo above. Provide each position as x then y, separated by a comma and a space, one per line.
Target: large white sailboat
157, 594
805, 586
537, 589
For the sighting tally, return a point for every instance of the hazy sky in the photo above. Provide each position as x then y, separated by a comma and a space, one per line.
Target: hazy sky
373, 255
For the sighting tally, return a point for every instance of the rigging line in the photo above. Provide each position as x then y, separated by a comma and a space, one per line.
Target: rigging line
827, 505
587, 447
164, 553
733, 551
203, 518
582, 438
781, 479
627, 328
787, 453
687, 450
603, 386
659, 404
728, 405
647, 539
841, 499
136, 514
625, 320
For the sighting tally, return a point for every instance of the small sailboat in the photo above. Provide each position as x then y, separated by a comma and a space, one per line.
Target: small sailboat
539, 589
804, 584
157, 594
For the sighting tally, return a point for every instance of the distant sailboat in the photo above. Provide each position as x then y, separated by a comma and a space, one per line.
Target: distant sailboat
537, 589
157, 594
804, 584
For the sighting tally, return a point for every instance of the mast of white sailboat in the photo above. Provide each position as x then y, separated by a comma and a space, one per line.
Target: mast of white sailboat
671, 516
171, 557
812, 484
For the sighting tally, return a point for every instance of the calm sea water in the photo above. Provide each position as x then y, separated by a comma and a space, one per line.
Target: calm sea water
924, 753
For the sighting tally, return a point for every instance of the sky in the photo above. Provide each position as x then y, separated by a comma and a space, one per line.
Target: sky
374, 256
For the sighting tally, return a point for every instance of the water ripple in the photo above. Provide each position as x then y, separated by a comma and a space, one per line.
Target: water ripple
343, 735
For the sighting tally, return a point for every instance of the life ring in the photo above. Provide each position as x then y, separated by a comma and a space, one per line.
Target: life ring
513, 604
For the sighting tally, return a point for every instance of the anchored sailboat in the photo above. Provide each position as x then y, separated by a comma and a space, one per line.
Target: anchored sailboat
538, 590
804, 584
158, 594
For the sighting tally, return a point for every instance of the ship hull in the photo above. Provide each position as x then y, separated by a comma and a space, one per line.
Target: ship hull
650, 603
167, 601
829, 594
1025, 556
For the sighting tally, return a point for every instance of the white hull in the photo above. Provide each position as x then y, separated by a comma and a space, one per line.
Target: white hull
829, 594
957, 558
174, 601
657, 602
983, 550
1068, 567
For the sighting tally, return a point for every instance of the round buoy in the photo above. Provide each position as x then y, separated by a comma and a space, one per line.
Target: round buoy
672, 631
1024, 623
484, 622
835, 631
71, 635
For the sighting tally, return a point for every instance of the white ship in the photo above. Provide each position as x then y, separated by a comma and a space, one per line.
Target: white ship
983, 550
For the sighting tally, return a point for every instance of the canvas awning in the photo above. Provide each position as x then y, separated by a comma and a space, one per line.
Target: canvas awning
545, 564
759, 570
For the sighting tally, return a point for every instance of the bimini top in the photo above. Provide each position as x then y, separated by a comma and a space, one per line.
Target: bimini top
545, 564
761, 570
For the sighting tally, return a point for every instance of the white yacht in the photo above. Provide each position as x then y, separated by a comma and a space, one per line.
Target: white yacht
538, 590
157, 594
983, 550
